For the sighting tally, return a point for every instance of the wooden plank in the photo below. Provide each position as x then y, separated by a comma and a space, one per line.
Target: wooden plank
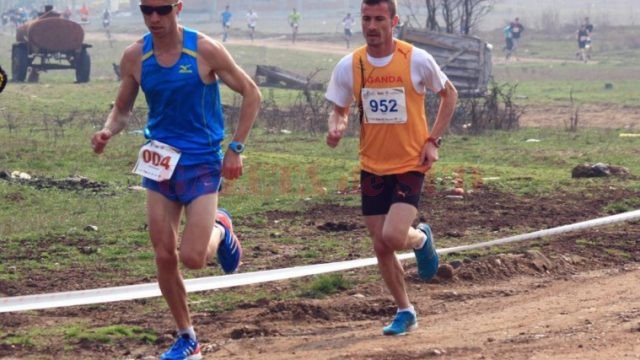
450, 60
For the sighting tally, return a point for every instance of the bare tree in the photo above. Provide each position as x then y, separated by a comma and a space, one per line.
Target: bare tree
448, 8
454, 15
432, 11
472, 11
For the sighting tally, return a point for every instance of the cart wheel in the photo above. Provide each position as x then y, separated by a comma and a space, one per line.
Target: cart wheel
19, 62
83, 67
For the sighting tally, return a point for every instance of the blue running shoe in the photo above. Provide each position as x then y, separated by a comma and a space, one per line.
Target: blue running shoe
426, 257
184, 348
229, 251
404, 322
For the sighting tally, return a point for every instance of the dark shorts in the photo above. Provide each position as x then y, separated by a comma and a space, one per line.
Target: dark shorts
347, 32
509, 44
380, 192
188, 182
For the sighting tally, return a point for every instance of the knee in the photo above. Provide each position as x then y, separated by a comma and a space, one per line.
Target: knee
394, 239
381, 248
166, 258
192, 260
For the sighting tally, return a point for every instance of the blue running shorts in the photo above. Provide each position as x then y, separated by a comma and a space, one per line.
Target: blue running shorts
188, 182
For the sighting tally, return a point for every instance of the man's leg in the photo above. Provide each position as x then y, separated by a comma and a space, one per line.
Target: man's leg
164, 219
208, 233
200, 238
392, 233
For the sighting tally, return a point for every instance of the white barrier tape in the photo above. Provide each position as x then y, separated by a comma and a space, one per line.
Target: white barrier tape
141, 291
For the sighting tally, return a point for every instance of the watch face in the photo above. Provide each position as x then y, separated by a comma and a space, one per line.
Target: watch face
237, 147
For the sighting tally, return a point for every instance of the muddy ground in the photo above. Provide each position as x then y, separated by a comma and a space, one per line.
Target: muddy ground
573, 296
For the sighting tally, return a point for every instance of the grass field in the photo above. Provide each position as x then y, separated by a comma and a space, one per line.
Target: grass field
43, 228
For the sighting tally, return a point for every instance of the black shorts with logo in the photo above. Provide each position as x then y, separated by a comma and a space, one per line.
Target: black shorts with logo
379, 192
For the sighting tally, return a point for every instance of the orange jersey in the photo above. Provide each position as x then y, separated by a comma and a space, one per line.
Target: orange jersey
394, 125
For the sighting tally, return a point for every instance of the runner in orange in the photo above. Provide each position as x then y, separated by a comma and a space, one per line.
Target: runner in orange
388, 79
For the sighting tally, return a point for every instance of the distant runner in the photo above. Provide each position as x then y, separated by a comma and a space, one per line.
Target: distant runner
294, 22
252, 20
347, 24
226, 23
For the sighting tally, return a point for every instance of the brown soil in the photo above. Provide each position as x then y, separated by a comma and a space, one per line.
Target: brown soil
571, 297
626, 118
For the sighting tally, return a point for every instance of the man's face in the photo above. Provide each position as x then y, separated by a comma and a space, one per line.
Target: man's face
377, 24
158, 24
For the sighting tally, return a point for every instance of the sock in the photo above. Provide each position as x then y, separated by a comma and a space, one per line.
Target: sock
189, 331
223, 231
424, 241
410, 308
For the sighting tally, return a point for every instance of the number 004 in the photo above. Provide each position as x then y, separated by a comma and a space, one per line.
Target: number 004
156, 159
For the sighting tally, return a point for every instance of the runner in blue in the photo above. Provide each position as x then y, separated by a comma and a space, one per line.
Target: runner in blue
178, 70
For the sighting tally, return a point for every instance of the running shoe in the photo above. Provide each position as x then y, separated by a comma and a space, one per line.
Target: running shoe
229, 250
426, 257
184, 348
404, 322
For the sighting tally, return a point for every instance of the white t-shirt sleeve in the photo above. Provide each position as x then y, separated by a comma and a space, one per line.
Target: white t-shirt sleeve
340, 88
425, 72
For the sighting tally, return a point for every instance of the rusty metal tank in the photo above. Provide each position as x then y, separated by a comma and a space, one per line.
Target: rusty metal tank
50, 43
51, 33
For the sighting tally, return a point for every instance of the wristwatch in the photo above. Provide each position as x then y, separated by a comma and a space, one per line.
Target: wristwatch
237, 147
435, 141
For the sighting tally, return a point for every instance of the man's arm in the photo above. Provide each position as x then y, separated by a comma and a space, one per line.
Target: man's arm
127, 93
223, 65
448, 99
338, 121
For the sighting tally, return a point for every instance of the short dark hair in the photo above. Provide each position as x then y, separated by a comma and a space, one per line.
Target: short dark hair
390, 3
48, 7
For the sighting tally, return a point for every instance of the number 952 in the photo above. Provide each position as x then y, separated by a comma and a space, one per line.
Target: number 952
383, 105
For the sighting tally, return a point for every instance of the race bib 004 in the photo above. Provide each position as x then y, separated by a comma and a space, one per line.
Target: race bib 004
384, 106
156, 161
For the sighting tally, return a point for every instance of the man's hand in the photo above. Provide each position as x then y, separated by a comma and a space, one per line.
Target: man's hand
100, 140
231, 165
337, 125
429, 154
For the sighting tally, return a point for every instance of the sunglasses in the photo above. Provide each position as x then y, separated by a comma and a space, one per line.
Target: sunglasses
160, 10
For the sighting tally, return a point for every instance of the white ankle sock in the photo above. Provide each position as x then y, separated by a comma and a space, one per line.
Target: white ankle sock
189, 331
410, 308
424, 241
223, 231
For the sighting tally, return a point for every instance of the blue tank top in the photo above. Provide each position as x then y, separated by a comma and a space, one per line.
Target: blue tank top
184, 112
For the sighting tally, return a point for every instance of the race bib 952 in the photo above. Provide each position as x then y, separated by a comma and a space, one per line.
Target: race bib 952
384, 106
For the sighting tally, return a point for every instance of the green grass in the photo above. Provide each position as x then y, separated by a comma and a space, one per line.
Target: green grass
73, 333
284, 172
110, 334
623, 206
325, 285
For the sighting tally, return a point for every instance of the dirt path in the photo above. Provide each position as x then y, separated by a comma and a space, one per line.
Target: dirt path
573, 297
590, 315
596, 116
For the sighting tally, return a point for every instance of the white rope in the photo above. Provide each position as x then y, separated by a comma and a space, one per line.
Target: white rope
141, 291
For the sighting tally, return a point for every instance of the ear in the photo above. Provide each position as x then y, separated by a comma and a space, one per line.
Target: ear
179, 7
395, 21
